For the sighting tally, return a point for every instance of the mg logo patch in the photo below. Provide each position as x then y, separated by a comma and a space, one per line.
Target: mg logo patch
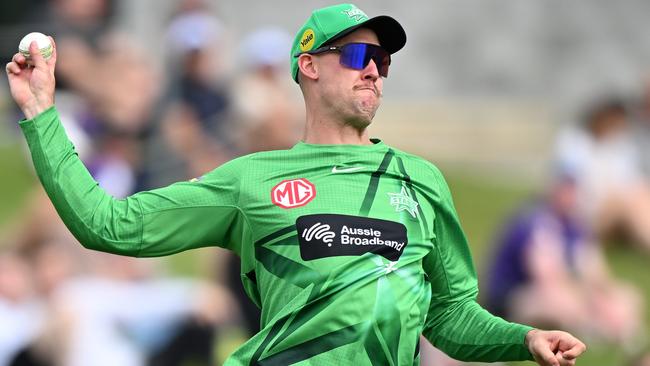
293, 193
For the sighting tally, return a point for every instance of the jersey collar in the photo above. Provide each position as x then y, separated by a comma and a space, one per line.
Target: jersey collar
377, 145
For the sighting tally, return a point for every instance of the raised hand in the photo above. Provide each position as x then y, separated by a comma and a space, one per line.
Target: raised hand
32, 86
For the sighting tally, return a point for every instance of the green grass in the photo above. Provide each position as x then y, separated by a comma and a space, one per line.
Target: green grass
15, 182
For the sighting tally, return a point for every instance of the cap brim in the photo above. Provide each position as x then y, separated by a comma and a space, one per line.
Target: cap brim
390, 33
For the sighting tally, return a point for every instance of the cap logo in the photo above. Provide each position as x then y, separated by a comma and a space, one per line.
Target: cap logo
307, 40
356, 14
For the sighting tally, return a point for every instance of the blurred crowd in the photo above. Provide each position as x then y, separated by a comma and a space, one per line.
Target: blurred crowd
549, 268
140, 123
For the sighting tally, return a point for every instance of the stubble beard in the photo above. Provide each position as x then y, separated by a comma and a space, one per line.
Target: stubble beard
353, 110
363, 112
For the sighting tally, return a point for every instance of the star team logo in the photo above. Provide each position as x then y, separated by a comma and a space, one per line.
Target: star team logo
403, 202
293, 193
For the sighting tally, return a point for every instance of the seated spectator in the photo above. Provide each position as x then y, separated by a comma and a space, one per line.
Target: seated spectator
547, 272
267, 108
613, 195
186, 141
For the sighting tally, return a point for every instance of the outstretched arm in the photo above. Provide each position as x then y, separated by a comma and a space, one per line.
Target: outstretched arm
458, 325
182, 216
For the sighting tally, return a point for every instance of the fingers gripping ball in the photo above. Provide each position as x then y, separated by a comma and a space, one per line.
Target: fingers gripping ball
43, 42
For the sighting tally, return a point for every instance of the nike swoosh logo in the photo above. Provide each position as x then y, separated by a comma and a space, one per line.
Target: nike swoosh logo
335, 170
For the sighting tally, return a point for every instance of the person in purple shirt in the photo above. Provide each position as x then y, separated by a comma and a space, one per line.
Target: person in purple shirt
547, 271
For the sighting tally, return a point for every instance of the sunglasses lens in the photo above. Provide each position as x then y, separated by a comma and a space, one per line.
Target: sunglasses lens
382, 60
358, 55
353, 55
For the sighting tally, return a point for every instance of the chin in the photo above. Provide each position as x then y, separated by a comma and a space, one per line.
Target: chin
368, 107
361, 120
360, 114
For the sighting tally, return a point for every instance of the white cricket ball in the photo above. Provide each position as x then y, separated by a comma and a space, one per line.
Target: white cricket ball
43, 42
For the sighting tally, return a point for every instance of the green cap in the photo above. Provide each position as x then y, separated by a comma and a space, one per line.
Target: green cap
328, 24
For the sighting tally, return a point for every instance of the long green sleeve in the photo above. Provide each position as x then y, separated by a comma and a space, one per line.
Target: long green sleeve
152, 223
456, 323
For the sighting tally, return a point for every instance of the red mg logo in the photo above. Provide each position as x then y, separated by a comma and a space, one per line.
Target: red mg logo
293, 193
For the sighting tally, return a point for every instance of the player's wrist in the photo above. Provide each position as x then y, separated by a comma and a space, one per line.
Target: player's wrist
36, 107
529, 337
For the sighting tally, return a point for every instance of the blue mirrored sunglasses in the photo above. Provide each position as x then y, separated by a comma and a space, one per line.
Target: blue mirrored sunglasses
358, 55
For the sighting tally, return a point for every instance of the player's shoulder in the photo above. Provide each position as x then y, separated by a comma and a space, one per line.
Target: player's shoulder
259, 157
265, 156
417, 162
251, 162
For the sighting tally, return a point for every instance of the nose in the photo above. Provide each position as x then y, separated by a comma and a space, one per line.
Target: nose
371, 72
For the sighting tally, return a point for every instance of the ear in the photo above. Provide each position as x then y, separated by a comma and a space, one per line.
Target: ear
308, 67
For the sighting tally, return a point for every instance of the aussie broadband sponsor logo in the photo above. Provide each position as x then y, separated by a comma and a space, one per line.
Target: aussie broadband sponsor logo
367, 237
331, 235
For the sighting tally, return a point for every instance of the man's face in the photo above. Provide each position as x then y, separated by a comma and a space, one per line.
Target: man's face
352, 95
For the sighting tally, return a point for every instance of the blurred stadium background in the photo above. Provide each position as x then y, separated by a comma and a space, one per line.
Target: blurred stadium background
481, 89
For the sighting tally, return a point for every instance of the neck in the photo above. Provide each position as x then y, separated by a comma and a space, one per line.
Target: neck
321, 129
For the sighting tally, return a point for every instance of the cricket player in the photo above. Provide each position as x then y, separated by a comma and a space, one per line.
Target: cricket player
351, 248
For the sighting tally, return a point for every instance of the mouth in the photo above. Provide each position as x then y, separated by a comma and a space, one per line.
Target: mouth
370, 88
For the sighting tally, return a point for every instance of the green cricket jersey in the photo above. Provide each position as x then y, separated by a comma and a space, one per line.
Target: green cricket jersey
351, 251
